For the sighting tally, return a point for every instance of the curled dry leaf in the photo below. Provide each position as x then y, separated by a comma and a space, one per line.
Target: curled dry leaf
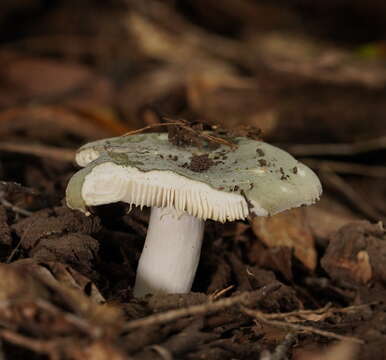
288, 229
357, 254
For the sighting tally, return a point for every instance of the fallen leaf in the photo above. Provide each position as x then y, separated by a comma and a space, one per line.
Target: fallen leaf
288, 229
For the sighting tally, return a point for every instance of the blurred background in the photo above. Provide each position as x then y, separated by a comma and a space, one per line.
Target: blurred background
310, 74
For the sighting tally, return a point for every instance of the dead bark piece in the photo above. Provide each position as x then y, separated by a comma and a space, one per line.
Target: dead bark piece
288, 229
357, 254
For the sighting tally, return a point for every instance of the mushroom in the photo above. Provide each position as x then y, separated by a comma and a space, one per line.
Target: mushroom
184, 186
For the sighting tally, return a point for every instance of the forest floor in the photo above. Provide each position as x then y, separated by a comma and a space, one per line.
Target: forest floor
309, 283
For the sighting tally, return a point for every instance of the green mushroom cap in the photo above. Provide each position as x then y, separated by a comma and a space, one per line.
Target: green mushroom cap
220, 183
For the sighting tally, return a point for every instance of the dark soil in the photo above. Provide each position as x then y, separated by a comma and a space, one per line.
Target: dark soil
200, 163
305, 284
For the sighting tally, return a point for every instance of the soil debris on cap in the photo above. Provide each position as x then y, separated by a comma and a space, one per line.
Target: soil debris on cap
260, 152
181, 136
284, 176
200, 163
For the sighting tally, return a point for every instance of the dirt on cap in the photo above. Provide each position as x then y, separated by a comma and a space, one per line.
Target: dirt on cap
182, 136
200, 163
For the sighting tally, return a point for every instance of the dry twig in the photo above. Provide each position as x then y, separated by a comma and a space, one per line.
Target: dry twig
260, 316
327, 310
12, 207
202, 309
219, 293
181, 124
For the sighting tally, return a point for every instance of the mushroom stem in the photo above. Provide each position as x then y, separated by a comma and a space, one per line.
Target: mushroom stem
171, 253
